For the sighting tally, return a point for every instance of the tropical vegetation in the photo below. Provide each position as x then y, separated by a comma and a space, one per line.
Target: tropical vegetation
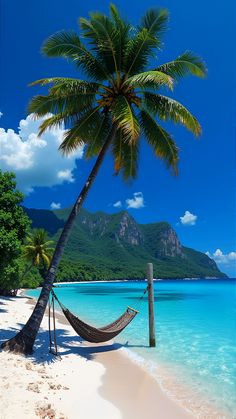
14, 227
114, 246
37, 251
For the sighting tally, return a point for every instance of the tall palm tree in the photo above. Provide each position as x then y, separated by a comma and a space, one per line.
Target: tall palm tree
119, 100
37, 250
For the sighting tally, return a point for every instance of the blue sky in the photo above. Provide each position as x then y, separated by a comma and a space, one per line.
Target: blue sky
205, 186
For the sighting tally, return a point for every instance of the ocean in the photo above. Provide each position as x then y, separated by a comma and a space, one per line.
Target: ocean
195, 323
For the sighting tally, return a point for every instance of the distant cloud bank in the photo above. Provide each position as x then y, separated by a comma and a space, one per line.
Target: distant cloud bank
220, 257
188, 219
35, 160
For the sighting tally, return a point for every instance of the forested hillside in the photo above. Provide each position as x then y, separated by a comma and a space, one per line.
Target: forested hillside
105, 246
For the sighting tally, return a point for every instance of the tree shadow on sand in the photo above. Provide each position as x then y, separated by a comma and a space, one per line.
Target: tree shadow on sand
67, 344
2, 309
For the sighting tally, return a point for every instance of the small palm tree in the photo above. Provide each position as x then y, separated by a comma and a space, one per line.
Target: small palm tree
119, 101
37, 251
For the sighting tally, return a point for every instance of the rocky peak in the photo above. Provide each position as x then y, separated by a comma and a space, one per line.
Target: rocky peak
170, 244
96, 226
128, 230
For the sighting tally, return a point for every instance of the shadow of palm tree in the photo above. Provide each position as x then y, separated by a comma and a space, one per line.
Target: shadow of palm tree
2, 310
67, 344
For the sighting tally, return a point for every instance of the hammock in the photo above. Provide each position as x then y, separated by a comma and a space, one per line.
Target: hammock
98, 335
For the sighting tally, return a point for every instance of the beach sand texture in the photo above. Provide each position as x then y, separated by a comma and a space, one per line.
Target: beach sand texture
85, 382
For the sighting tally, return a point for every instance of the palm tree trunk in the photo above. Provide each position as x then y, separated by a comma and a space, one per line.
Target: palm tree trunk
23, 342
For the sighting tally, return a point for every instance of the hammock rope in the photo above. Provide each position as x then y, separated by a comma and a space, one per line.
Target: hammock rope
52, 341
91, 333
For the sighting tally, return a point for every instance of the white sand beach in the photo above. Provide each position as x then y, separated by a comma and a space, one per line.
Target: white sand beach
86, 381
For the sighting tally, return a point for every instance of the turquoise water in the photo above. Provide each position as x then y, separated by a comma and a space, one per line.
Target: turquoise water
195, 329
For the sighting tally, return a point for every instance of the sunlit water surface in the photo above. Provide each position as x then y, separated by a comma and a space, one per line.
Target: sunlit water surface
195, 330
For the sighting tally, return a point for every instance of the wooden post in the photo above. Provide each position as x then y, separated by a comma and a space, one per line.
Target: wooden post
152, 338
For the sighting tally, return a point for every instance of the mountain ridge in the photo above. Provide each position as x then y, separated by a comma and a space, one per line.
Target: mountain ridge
115, 246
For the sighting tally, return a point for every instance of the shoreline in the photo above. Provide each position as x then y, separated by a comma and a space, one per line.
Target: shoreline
139, 280
137, 383
158, 380
101, 382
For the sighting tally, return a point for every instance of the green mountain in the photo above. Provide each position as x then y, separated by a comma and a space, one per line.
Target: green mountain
105, 246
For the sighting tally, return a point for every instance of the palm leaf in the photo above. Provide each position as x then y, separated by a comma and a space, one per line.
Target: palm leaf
161, 142
46, 259
155, 21
37, 259
139, 49
153, 79
82, 86
185, 64
125, 156
68, 104
99, 136
62, 44
63, 119
103, 35
67, 44
121, 40
82, 131
125, 118
169, 109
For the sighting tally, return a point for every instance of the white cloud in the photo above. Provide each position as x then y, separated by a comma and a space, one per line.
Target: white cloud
220, 257
232, 256
136, 202
55, 205
65, 175
1, 114
36, 161
188, 219
117, 204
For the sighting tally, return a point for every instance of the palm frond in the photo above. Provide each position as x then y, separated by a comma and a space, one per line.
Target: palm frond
62, 119
102, 33
125, 156
169, 109
37, 259
82, 86
120, 23
123, 30
68, 45
152, 79
125, 118
62, 44
140, 48
97, 139
161, 142
46, 259
68, 104
139, 51
185, 64
82, 131
155, 21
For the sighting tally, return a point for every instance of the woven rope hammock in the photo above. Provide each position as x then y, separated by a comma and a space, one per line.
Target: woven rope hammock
93, 334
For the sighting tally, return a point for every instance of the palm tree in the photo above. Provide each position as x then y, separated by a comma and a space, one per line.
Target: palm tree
37, 250
119, 100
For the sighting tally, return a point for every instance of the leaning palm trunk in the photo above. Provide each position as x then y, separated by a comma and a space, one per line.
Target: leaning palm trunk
23, 342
